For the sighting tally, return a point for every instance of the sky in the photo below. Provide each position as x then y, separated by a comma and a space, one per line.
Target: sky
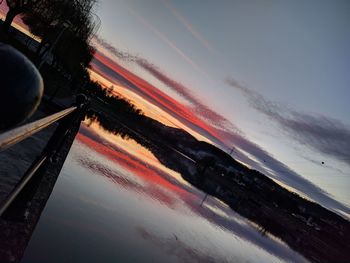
267, 78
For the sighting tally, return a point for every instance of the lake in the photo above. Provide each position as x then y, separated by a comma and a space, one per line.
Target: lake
114, 202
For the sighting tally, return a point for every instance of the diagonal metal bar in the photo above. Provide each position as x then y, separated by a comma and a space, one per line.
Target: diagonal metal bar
21, 184
16, 135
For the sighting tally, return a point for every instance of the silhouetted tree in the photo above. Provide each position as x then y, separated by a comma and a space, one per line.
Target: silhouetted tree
50, 18
16, 7
65, 28
73, 54
115, 103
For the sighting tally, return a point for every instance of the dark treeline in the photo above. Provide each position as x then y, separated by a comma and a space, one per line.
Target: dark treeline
109, 109
113, 102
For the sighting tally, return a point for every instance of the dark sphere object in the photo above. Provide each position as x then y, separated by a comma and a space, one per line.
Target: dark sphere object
21, 87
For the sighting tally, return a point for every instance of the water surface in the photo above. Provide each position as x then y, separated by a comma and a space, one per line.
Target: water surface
114, 202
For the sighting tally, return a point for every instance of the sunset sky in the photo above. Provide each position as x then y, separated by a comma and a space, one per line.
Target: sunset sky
269, 78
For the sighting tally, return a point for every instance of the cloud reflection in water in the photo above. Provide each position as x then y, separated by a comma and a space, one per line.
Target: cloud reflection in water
144, 178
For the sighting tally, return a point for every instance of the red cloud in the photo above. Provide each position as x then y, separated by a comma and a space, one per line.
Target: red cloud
113, 71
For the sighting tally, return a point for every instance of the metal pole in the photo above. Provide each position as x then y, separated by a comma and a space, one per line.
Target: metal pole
19, 187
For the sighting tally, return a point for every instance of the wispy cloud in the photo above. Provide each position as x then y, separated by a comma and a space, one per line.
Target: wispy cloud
320, 133
167, 41
189, 26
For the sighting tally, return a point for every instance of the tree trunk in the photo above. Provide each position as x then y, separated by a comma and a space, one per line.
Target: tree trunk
8, 20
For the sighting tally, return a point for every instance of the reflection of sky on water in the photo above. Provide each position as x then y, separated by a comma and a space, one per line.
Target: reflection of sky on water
115, 205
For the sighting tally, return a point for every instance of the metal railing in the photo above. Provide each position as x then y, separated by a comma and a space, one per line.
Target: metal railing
66, 120
21, 92
16, 135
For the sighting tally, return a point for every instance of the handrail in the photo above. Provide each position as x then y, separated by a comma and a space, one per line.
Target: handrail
16, 135
13, 203
22, 183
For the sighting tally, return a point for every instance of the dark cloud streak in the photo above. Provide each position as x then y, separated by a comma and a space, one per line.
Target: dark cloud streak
200, 108
320, 133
